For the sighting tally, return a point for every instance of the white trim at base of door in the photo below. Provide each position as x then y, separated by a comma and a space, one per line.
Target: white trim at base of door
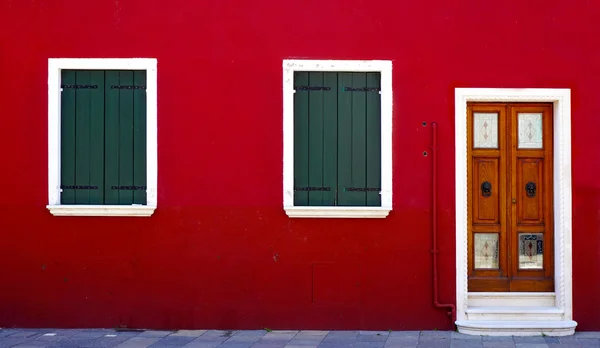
563, 294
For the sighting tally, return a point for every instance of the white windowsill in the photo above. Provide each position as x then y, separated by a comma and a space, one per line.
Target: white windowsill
101, 210
337, 212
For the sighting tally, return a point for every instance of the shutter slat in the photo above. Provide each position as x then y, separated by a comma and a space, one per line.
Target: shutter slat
315, 138
111, 138
125, 138
96, 156
67, 138
330, 138
301, 157
373, 132
139, 138
344, 140
82, 137
359, 139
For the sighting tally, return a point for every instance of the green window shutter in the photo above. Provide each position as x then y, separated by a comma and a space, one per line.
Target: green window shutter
103, 137
82, 144
359, 156
315, 145
337, 139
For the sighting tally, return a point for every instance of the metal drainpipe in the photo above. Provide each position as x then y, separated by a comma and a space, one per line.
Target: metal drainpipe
436, 303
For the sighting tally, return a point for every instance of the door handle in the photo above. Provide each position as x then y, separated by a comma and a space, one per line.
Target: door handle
530, 188
486, 189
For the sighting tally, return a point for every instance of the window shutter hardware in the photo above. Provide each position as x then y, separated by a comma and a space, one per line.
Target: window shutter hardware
78, 187
361, 189
127, 87
312, 88
80, 86
361, 89
134, 188
312, 189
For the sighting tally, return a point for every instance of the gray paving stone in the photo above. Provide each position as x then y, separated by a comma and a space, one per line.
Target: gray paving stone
243, 339
74, 341
10, 342
304, 342
530, 339
343, 334
371, 338
402, 341
441, 344
497, 339
466, 344
369, 344
568, 340
202, 344
138, 342
312, 333
250, 333
459, 336
588, 334
373, 333
531, 345
236, 345
24, 334
173, 341
400, 346
589, 342
405, 334
190, 333
564, 345
333, 345
299, 346
435, 333
551, 339
499, 344
155, 333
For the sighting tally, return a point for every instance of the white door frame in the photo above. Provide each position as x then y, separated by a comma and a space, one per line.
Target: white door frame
561, 98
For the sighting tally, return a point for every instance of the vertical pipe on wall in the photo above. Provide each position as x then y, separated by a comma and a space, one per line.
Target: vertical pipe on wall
434, 251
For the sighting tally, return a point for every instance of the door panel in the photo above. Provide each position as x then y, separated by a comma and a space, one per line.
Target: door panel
485, 191
530, 190
510, 239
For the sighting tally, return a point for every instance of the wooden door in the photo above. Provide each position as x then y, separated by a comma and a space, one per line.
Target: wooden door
510, 237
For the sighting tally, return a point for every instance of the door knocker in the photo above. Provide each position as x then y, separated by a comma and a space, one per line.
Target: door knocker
530, 188
486, 189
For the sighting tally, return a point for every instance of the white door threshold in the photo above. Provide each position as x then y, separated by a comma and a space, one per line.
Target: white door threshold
514, 313
517, 327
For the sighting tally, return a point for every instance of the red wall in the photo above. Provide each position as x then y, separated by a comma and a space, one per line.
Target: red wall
219, 251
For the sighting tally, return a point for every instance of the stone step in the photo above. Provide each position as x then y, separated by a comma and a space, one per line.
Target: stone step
508, 299
514, 313
517, 327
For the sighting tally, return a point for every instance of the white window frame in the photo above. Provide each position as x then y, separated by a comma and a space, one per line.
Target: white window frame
55, 65
385, 68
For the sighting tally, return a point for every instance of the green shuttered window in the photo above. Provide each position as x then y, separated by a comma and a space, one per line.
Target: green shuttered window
103, 137
337, 139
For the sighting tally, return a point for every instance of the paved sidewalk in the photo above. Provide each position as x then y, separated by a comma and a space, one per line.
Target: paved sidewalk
37, 338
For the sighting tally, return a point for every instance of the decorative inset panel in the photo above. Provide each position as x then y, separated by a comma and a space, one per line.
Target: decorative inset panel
485, 191
530, 131
530, 179
531, 251
485, 130
486, 250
